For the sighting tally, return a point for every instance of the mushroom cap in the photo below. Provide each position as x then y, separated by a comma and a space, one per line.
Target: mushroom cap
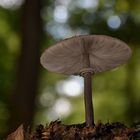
68, 56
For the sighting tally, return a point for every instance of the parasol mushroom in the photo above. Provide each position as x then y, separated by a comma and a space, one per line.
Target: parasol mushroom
86, 55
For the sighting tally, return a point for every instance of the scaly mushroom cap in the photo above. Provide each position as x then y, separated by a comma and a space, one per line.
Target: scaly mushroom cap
68, 56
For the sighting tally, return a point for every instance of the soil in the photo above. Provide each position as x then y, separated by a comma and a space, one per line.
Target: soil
58, 131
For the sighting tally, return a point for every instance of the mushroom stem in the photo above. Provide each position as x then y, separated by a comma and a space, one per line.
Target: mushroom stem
88, 99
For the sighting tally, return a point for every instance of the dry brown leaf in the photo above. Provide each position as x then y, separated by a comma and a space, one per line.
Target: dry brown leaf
121, 138
17, 135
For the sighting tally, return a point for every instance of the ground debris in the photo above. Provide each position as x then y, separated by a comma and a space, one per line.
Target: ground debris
58, 131
109, 131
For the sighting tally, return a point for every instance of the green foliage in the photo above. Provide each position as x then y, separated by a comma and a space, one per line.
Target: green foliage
9, 50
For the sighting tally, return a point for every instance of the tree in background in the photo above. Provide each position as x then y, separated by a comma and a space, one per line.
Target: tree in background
23, 99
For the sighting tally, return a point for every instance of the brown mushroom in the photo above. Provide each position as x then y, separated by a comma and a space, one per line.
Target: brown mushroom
86, 55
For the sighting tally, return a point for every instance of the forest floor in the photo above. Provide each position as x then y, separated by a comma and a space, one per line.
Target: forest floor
58, 131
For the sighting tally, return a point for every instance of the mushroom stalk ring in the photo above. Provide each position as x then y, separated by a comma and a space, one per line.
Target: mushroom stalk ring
86, 70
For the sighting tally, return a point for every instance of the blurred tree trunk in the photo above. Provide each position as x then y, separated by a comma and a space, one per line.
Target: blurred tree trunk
23, 99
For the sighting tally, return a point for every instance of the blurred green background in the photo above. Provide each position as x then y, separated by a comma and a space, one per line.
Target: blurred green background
31, 94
